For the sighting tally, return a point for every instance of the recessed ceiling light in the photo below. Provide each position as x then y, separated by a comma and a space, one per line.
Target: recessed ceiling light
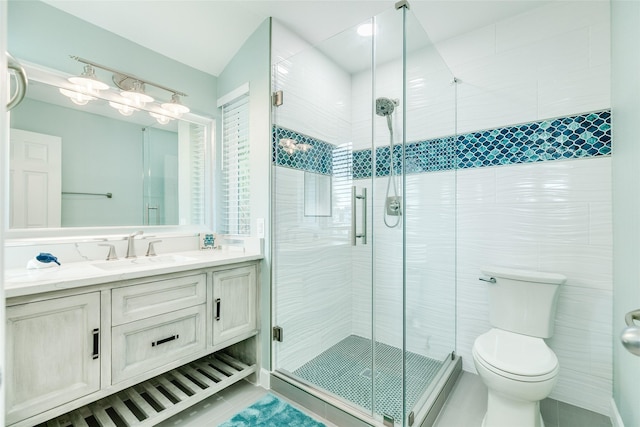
366, 29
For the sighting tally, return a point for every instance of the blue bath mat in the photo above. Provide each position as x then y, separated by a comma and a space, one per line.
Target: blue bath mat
271, 412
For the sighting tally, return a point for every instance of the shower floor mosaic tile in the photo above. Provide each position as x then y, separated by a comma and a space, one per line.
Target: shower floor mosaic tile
345, 370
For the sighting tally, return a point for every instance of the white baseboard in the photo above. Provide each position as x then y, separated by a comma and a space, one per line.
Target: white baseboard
265, 379
616, 419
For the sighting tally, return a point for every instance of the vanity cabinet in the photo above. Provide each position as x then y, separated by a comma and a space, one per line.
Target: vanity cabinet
71, 355
52, 353
234, 293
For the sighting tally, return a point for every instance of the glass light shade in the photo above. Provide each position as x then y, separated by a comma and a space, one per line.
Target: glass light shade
136, 95
88, 80
160, 118
124, 109
175, 107
76, 97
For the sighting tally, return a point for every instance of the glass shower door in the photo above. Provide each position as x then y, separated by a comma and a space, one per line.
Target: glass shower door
322, 269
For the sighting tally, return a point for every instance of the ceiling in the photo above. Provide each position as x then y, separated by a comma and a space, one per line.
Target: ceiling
206, 34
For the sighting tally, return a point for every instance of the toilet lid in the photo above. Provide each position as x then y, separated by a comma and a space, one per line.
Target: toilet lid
516, 354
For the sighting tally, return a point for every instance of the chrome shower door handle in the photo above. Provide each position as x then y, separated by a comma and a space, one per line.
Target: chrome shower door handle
21, 77
630, 336
354, 234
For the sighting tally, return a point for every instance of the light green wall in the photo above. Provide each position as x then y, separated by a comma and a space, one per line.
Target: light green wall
625, 94
99, 155
44, 35
252, 64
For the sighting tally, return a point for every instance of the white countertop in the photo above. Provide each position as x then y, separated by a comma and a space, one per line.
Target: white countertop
21, 282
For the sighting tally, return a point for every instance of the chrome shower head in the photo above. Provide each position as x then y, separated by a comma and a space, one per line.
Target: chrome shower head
385, 106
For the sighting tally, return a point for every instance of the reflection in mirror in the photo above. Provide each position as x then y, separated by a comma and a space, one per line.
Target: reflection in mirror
90, 166
317, 194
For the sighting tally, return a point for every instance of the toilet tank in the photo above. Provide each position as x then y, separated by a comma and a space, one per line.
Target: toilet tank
523, 301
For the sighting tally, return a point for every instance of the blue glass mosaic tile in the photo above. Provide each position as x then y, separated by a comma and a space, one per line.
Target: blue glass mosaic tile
361, 167
584, 135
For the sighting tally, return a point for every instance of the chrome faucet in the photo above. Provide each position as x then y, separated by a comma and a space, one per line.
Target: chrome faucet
131, 251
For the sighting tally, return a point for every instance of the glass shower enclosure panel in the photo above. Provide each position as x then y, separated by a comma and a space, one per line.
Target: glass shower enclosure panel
364, 218
322, 270
429, 185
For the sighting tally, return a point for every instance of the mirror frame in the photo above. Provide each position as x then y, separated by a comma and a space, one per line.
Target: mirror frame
20, 236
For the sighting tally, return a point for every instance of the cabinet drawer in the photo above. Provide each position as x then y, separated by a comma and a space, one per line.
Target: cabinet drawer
137, 302
147, 344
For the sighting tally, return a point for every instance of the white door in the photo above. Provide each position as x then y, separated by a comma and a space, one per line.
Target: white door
35, 180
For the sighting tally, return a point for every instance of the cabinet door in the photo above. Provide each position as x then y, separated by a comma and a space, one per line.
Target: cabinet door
234, 296
51, 353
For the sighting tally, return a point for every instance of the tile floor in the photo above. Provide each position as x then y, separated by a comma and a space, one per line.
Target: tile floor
345, 370
464, 408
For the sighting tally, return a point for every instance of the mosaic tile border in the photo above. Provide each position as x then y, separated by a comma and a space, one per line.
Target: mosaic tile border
571, 137
585, 135
318, 159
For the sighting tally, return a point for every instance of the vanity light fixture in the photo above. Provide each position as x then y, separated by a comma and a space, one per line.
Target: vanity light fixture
132, 90
175, 107
290, 146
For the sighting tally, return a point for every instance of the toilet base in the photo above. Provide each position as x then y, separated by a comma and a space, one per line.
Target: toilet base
506, 412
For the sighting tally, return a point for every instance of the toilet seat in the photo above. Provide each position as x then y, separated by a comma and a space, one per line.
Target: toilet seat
515, 356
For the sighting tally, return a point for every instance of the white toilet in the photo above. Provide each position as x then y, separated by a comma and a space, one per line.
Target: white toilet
514, 362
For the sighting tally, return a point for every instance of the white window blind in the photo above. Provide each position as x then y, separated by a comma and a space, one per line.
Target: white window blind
197, 151
235, 166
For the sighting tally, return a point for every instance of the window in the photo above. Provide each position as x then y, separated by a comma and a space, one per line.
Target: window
235, 212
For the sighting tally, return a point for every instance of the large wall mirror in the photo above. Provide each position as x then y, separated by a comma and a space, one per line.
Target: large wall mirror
90, 166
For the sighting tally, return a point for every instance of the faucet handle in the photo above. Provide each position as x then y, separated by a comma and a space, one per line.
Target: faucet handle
112, 251
151, 250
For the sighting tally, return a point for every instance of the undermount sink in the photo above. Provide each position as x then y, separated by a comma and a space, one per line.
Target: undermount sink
147, 261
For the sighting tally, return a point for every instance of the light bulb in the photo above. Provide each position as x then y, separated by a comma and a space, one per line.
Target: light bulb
160, 118
124, 108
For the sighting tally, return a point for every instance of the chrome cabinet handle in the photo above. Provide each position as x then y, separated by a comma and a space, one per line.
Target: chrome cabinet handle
630, 336
354, 234
21, 77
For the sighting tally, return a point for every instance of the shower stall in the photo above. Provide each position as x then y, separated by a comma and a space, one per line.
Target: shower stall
364, 202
